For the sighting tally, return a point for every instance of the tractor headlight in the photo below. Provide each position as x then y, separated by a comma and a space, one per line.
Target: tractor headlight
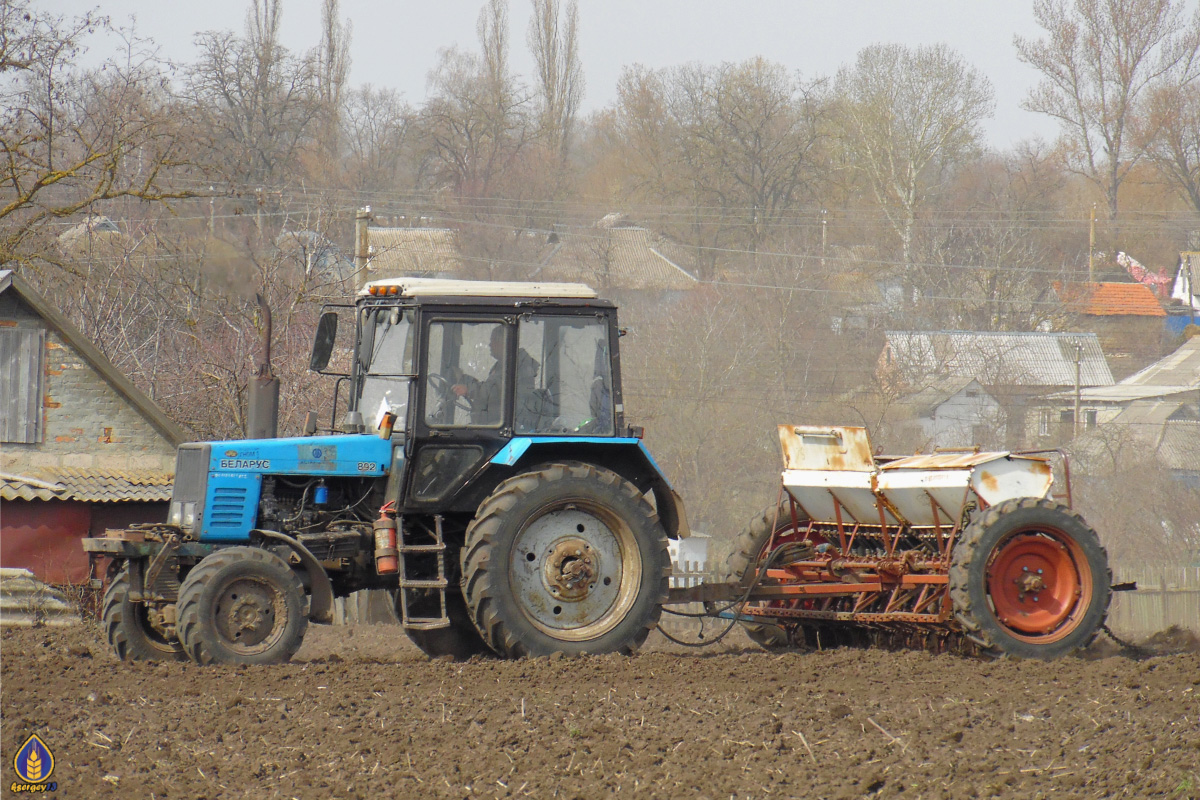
189, 515
176, 515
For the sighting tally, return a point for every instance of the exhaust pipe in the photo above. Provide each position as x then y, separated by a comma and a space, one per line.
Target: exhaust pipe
262, 412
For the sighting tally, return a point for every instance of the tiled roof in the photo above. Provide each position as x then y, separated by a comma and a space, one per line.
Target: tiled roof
88, 485
1013, 359
404, 252
1110, 299
619, 258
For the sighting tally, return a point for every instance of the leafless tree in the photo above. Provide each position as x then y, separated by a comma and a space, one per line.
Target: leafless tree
72, 137
376, 132
1174, 119
1100, 62
332, 68
909, 117
554, 41
257, 103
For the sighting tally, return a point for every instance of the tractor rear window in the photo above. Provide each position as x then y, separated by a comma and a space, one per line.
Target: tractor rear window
566, 387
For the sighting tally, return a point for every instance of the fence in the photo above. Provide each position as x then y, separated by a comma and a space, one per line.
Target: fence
1166, 596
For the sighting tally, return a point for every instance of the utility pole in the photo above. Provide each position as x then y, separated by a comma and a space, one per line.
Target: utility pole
212, 214
823, 222
1092, 247
361, 246
1078, 385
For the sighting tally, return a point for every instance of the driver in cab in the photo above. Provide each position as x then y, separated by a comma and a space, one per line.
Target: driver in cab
485, 396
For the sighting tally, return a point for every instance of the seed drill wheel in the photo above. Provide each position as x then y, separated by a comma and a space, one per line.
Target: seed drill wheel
1029, 578
749, 550
565, 558
131, 627
460, 641
241, 605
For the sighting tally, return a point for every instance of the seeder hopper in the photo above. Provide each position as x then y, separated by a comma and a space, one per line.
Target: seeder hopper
959, 550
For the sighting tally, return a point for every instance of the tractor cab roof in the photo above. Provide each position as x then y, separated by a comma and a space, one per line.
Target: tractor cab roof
447, 288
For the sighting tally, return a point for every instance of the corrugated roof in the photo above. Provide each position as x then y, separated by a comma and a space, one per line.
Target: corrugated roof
1110, 299
88, 485
1180, 445
1181, 368
619, 258
1147, 412
1014, 359
396, 252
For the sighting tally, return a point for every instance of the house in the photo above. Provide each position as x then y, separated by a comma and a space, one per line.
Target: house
1184, 307
1166, 431
1167, 385
81, 448
1128, 318
614, 255
1015, 368
413, 252
953, 412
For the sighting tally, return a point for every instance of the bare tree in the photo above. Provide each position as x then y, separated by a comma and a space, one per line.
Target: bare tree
333, 67
73, 137
475, 123
256, 103
1174, 118
376, 128
554, 40
1100, 62
909, 117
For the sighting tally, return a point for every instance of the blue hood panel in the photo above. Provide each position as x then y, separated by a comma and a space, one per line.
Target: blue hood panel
352, 454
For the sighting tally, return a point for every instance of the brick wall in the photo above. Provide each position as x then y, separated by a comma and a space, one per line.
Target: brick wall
87, 423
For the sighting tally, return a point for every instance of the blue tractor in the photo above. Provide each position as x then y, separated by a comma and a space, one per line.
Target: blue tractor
484, 475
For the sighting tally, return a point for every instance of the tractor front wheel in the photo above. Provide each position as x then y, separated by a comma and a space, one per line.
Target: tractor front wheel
1029, 579
242, 605
565, 558
132, 629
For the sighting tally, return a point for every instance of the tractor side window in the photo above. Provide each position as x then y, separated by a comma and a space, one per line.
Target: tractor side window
564, 376
465, 377
388, 343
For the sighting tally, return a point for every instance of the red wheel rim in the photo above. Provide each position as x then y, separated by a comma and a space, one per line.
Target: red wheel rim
1040, 584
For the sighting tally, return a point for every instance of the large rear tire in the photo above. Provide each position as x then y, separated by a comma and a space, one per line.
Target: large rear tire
242, 605
749, 549
130, 631
1030, 579
565, 558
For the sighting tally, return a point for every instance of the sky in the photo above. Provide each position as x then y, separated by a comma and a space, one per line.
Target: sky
396, 43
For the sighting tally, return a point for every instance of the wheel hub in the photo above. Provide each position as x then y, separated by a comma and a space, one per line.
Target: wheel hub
570, 570
246, 613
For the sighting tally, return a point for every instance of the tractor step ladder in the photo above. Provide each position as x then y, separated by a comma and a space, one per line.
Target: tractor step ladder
410, 584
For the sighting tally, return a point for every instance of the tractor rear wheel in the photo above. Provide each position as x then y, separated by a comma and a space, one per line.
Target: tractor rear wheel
131, 629
242, 605
750, 549
460, 641
1030, 579
565, 558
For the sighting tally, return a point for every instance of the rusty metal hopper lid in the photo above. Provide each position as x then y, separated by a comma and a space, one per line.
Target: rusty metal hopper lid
958, 460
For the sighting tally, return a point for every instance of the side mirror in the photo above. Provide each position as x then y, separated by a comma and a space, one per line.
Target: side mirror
323, 342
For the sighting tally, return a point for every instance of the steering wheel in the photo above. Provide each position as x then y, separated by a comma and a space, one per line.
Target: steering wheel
442, 385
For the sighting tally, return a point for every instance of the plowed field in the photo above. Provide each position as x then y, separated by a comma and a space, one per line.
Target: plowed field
360, 714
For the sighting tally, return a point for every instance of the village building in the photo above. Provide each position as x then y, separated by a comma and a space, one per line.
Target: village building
81, 448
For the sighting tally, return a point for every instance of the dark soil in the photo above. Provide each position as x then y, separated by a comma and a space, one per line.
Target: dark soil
360, 713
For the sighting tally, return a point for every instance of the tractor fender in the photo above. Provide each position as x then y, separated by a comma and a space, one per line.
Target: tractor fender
321, 604
626, 456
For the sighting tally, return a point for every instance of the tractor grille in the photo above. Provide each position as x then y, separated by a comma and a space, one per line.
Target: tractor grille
191, 473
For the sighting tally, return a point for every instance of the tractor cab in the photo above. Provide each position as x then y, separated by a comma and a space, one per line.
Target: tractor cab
463, 370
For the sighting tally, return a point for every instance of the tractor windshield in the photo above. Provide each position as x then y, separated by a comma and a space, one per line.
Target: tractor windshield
386, 359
